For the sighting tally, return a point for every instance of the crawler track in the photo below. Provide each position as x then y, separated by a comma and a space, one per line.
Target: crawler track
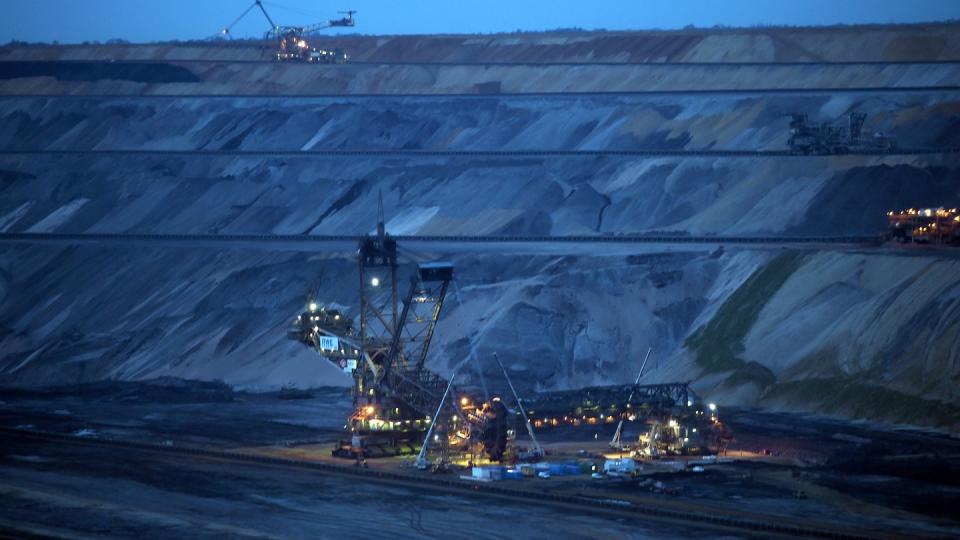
183, 71
687, 513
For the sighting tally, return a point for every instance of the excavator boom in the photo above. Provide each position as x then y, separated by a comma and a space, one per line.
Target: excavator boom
259, 4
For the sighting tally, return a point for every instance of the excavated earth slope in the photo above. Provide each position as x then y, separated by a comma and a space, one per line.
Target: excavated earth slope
877, 43
201, 78
118, 139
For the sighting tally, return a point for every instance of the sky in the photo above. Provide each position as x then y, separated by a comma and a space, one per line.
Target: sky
75, 21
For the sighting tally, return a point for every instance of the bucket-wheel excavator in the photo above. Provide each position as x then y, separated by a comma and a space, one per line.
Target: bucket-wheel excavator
396, 399
400, 406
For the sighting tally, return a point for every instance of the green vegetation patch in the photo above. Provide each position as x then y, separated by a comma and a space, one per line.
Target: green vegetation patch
751, 373
846, 396
719, 344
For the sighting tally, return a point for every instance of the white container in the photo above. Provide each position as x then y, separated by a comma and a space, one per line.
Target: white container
620, 466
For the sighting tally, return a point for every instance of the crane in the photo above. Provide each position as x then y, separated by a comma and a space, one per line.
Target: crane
400, 404
293, 41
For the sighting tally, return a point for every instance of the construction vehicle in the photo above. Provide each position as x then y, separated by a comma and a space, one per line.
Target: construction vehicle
837, 137
677, 420
293, 42
925, 226
401, 407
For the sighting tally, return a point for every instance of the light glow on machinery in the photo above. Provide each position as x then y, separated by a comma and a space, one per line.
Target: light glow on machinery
925, 225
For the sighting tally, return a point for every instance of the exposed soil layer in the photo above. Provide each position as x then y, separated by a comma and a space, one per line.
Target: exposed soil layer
271, 78
95, 71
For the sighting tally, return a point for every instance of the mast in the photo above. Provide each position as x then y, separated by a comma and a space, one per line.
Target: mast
615, 441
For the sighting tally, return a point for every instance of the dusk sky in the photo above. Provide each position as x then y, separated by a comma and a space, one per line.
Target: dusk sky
72, 21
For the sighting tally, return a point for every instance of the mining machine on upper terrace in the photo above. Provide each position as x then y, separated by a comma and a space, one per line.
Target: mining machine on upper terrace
293, 42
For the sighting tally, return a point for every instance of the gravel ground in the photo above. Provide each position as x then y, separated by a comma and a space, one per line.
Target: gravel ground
849, 473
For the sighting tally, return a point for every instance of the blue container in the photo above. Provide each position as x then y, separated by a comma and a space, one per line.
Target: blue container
513, 474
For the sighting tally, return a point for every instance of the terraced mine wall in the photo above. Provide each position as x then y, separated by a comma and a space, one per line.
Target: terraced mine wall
875, 43
465, 147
